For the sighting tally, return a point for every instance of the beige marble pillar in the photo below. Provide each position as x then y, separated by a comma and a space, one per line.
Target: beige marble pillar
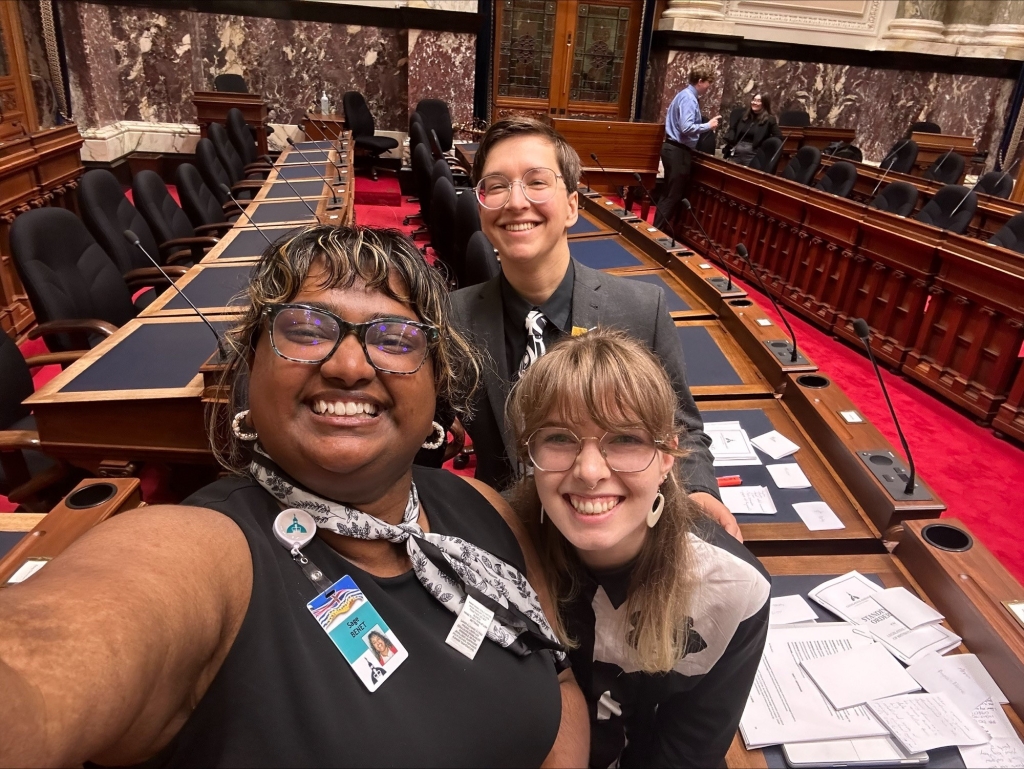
918, 20
967, 21
1007, 24
707, 16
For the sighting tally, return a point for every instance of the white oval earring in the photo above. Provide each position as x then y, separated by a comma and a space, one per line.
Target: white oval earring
441, 434
655, 514
542, 513
236, 427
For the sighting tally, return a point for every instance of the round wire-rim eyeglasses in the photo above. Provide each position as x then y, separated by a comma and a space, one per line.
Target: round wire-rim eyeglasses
534, 196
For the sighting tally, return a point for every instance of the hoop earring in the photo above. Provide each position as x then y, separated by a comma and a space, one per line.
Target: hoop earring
542, 513
236, 427
441, 434
655, 514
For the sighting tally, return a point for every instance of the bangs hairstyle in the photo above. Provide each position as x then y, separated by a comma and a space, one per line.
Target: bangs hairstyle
613, 379
343, 255
568, 160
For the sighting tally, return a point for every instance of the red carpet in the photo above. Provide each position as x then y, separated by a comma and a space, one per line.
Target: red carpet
383, 192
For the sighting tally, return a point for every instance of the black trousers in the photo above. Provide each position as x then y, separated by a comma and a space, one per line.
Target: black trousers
677, 160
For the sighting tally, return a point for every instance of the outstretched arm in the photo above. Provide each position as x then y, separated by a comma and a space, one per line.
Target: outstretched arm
104, 652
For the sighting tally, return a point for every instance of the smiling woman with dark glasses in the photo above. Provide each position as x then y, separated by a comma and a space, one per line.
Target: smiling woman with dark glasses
328, 604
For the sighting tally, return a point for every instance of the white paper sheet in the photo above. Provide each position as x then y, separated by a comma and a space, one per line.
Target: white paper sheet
942, 674
846, 751
775, 444
818, 516
1005, 748
982, 676
923, 722
788, 609
907, 607
784, 705
859, 675
992, 718
730, 444
755, 500
788, 476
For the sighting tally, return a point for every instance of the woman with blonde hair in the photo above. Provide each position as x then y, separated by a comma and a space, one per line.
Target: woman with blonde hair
666, 614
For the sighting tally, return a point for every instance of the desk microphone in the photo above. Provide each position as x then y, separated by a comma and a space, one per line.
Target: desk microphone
741, 251
593, 156
939, 164
785, 138
132, 238
647, 192
951, 213
224, 188
1002, 176
892, 154
862, 330
728, 287
334, 198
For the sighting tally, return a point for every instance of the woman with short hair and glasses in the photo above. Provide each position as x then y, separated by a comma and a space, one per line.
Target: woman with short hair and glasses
328, 604
666, 614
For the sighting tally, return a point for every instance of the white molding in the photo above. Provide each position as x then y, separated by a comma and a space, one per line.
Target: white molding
757, 13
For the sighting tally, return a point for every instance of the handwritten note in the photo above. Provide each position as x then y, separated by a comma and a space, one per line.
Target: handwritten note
788, 476
775, 444
817, 516
754, 500
927, 721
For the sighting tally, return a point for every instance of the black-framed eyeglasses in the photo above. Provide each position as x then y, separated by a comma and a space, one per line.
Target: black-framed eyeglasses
555, 449
307, 334
538, 185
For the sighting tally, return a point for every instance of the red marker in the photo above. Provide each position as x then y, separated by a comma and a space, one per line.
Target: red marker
729, 480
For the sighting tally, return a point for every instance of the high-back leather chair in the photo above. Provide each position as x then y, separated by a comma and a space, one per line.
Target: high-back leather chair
442, 226
169, 223
901, 157
243, 139
230, 83
467, 222
107, 213
925, 126
947, 168
199, 203
1010, 235
481, 261
363, 128
214, 175
998, 184
422, 168
438, 118
767, 156
951, 208
838, 179
803, 166
230, 159
897, 198
797, 118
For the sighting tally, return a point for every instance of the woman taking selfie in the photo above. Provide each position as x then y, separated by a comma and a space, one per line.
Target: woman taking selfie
306, 610
755, 125
666, 612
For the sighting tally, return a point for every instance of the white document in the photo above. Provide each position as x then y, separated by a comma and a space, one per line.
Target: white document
784, 705
905, 643
788, 476
756, 500
789, 609
818, 516
1005, 749
991, 717
730, 444
923, 722
907, 607
775, 444
846, 751
942, 674
859, 675
977, 671
839, 593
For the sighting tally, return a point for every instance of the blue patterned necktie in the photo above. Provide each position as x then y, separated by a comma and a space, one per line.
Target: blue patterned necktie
535, 325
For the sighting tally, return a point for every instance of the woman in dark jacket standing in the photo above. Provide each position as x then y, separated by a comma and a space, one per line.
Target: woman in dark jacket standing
756, 125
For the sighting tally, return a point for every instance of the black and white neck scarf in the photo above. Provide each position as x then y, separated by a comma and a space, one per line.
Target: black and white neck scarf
448, 567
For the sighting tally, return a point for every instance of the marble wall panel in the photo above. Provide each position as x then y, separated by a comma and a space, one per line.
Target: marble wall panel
442, 65
879, 103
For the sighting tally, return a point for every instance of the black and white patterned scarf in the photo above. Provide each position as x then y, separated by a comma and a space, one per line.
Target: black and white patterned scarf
448, 567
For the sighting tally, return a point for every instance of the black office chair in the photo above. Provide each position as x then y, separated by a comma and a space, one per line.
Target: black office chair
360, 122
897, 198
467, 223
951, 208
767, 156
947, 168
849, 152
199, 204
901, 157
803, 166
422, 167
924, 126
838, 180
231, 160
214, 175
481, 260
796, 117
230, 83
243, 139
442, 228
1010, 235
170, 225
79, 297
28, 478
707, 142
998, 184
437, 117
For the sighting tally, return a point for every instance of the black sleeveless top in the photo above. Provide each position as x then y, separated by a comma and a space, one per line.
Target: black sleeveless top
286, 697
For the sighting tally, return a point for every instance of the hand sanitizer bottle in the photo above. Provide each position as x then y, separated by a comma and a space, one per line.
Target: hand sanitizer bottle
325, 105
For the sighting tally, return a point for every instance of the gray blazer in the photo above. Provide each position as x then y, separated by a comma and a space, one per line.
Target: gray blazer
598, 299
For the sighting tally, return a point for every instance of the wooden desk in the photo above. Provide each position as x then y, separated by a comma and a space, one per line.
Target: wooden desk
466, 154
320, 127
610, 253
716, 366
931, 147
213, 107
680, 301
589, 226
216, 288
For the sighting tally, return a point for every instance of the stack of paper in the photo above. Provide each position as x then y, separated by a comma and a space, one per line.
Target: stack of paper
730, 444
923, 722
858, 676
755, 500
775, 444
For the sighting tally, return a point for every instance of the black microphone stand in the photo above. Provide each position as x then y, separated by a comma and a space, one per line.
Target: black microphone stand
668, 225
891, 157
717, 280
773, 344
227, 190
334, 198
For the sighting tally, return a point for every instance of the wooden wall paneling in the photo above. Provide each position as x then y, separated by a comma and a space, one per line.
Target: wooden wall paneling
973, 329
1010, 417
784, 205
742, 197
17, 188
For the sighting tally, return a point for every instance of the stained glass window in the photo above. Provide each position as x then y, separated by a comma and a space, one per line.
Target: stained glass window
600, 52
527, 38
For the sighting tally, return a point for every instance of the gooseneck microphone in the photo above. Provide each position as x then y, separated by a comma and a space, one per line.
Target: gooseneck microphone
593, 156
227, 190
334, 198
132, 238
892, 154
941, 161
292, 188
785, 138
671, 230
728, 271
862, 330
742, 252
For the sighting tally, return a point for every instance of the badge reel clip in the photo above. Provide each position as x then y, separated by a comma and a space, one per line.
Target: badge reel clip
295, 529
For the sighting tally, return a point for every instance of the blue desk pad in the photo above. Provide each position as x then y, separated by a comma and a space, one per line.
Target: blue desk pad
303, 188
289, 211
305, 156
249, 243
214, 287
802, 584
318, 145
155, 355
756, 422
602, 254
302, 171
583, 226
706, 364
8, 539
673, 301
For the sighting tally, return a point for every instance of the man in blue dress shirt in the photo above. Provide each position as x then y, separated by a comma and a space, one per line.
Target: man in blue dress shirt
682, 128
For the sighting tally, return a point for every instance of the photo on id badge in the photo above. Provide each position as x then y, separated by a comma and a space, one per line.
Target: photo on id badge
358, 631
